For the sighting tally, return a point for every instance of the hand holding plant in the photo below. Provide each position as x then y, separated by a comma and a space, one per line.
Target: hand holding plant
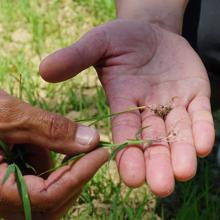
143, 64
30, 133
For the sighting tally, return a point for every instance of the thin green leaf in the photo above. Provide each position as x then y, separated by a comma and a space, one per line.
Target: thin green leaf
30, 167
130, 212
22, 188
135, 142
102, 117
10, 170
106, 144
5, 149
75, 157
120, 147
146, 143
138, 134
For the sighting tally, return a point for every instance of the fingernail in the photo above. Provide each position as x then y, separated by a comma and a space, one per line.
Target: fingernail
85, 135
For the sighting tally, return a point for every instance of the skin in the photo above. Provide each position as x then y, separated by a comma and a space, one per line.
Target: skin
142, 63
53, 196
141, 59
21, 123
37, 132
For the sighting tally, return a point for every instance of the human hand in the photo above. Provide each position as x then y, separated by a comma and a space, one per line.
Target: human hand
35, 132
51, 197
21, 123
144, 64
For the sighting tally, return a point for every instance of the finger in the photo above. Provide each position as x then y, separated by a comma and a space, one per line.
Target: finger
68, 62
60, 187
9, 183
202, 125
3, 169
130, 161
22, 123
159, 172
74, 177
183, 153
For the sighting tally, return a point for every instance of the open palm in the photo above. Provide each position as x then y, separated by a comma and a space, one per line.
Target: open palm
140, 64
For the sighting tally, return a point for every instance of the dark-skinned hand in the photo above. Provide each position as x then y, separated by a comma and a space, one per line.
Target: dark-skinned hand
35, 132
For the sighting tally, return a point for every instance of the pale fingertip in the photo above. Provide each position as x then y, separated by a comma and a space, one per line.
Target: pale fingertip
163, 192
159, 172
184, 166
162, 186
184, 173
132, 167
204, 137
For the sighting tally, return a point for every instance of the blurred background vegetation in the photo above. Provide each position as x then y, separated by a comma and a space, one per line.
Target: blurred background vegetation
31, 29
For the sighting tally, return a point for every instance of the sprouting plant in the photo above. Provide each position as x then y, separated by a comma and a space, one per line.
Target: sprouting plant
19, 80
22, 188
103, 117
161, 110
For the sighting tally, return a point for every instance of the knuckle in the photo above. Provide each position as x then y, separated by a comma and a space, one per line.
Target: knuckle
7, 108
59, 128
12, 112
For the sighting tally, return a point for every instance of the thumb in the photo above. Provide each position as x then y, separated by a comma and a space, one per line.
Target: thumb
66, 63
21, 123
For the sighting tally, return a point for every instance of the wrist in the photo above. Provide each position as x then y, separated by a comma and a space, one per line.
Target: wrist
168, 15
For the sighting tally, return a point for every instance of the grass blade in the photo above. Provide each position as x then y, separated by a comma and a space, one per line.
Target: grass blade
104, 144
22, 188
114, 152
5, 149
107, 144
75, 157
10, 170
138, 134
27, 165
102, 117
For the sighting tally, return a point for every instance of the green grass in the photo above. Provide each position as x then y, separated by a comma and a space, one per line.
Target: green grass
29, 30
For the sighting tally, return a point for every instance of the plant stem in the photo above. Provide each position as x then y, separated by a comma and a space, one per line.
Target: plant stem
102, 117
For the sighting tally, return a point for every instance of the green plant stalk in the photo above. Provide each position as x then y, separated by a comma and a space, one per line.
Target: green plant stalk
117, 148
75, 157
13, 168
5, 149
10, 170
22, 188
102, 117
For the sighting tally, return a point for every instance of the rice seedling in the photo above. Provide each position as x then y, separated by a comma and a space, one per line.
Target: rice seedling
44, 28
22, 188
14, 168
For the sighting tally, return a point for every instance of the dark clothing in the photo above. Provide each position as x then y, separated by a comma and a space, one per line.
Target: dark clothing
202, 29
191, 22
